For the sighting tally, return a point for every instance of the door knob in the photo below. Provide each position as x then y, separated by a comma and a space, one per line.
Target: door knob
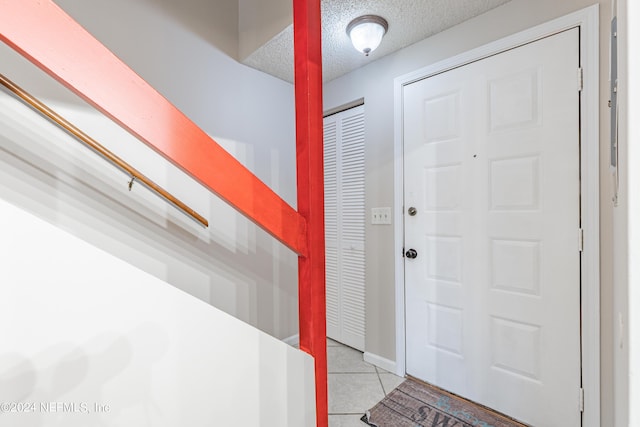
413, 211
411, 253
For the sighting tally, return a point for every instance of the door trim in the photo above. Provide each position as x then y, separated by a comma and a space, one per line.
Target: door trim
587, 20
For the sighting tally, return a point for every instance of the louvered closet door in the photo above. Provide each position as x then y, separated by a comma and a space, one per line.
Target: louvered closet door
344, 225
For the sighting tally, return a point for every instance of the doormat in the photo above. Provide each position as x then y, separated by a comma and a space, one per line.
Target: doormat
415, 404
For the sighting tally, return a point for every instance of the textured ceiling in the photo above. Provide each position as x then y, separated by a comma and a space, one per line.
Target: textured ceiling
409, 22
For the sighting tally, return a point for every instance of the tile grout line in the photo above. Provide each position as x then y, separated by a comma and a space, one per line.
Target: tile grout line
384, 392
339, 351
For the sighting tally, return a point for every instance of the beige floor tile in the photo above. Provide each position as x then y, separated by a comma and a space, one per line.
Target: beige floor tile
390, 381
332, 343
346, 421
346, 360
353, 393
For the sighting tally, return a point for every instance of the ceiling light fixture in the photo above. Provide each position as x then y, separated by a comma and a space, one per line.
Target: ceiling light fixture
366, 32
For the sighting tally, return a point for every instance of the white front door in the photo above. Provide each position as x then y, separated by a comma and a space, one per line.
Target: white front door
491, 153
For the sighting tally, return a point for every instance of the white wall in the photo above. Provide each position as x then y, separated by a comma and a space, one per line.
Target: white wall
621, 227
374, 83
627, 222
82, 328
633, 191
233, 265
633, 212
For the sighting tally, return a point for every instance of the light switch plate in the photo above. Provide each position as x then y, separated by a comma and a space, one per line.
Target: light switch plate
380, 216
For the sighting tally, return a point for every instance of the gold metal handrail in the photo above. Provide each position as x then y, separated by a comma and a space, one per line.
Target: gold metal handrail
100, 149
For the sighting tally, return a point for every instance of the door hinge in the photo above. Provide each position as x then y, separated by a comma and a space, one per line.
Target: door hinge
580, 80
581, 399
580, 239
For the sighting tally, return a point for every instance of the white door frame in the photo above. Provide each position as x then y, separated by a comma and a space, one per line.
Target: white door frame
587, 20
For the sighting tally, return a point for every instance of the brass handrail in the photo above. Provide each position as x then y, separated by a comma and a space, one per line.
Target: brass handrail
100, 149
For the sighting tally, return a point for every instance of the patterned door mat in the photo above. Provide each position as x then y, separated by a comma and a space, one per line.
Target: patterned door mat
415, 404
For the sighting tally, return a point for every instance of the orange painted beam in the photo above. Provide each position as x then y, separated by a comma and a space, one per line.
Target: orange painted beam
309, 151
43, 33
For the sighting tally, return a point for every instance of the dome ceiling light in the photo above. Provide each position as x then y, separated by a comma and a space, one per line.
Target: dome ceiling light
366, 32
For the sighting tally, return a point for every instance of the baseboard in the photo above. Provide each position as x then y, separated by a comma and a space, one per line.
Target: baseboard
381, 362
293, 340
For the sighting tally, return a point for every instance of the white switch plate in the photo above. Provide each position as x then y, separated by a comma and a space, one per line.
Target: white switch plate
380, 216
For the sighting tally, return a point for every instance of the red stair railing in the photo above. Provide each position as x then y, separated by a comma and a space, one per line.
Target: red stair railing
309, 150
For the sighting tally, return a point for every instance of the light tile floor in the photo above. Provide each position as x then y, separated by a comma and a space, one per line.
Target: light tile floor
354, 385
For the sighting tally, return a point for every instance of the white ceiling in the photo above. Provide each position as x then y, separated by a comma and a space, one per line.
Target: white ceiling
409, 22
